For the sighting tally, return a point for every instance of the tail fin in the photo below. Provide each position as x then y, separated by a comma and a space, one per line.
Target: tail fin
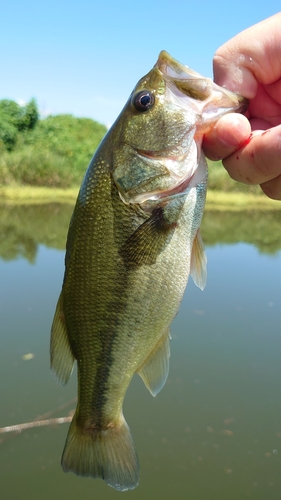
108, 454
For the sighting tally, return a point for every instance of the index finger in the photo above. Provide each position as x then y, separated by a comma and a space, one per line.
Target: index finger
240, 64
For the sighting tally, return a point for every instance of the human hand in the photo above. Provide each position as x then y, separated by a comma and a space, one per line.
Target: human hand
250, 64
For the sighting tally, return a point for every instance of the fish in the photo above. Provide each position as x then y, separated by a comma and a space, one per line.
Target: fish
132, 243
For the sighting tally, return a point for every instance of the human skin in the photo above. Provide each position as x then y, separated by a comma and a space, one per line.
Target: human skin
250, 145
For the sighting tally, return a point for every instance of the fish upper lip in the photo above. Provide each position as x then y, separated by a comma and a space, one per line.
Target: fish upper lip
172, 68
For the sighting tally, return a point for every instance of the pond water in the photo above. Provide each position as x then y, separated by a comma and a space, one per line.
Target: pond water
214, 431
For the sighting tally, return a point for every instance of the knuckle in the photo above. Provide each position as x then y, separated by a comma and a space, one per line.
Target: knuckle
262, 156
272, 188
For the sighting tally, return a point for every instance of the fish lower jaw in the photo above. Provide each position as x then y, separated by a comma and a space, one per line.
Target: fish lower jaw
179, 188
180, 171
197, 175
164, 156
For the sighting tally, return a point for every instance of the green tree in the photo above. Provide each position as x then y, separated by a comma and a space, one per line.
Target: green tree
15, 118
8, 133
29, 117
11, 111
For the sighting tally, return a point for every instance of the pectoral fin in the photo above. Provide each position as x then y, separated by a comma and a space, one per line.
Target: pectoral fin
198, 265
145, 244
62, 359
156, 368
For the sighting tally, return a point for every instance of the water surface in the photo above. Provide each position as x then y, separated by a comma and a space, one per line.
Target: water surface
214, 431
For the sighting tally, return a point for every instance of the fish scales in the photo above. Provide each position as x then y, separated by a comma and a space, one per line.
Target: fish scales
132, 243
127, 299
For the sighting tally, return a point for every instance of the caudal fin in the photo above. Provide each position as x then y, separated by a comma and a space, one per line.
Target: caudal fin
107, 454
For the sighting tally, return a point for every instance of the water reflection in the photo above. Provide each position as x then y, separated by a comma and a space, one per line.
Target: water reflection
23, 228
214, 431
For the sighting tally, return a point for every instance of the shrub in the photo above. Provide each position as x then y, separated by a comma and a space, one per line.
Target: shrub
54, 151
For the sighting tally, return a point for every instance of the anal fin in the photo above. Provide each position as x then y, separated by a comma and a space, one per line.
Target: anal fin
155, 370
62, 359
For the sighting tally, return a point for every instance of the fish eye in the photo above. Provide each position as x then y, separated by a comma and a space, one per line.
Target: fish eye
143, 100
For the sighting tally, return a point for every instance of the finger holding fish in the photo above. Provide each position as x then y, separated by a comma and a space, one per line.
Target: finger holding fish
258, 162
249, 64
250, 155
226, 136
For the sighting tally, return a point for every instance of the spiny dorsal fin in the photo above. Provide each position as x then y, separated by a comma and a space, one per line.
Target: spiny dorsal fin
198, 264
155, 370
62, 359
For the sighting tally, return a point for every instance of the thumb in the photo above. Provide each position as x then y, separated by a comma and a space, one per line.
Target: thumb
228, 135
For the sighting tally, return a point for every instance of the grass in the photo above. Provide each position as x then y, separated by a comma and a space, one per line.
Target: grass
216, 200
26, 195
240, 202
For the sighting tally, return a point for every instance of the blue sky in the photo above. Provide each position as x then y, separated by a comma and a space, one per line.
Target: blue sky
84, 57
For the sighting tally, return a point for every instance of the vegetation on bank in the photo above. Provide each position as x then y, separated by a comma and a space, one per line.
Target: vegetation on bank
55, 151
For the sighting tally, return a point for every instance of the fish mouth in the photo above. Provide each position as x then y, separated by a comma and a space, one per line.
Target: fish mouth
187, 80
211, 100
181, 182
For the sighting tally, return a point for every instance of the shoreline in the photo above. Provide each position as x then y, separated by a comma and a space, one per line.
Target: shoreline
216, 200
236, 201
30, 195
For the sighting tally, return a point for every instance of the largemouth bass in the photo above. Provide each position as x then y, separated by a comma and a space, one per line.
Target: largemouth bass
132, 243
